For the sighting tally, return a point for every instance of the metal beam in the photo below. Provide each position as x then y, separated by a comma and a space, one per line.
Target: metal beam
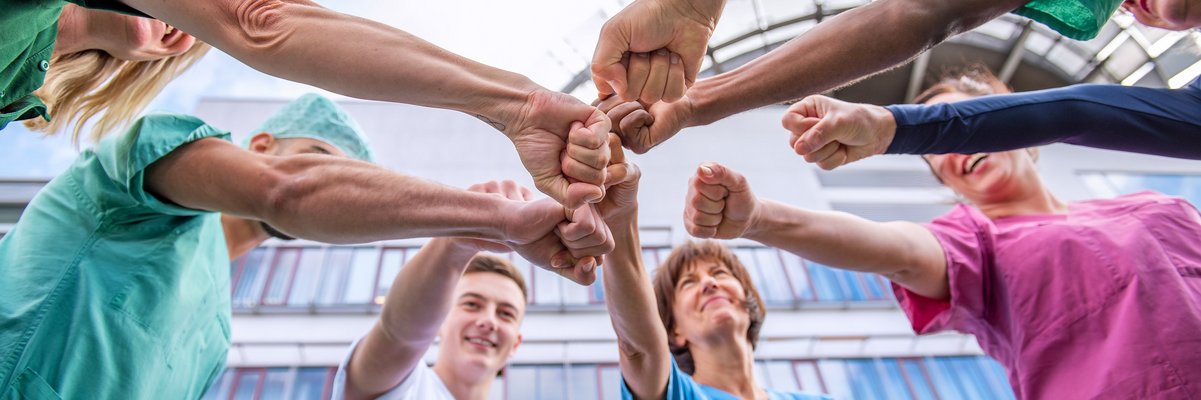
1015, 53
917, 75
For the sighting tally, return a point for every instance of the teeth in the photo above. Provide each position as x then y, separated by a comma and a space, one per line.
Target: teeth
974, 161
481, 342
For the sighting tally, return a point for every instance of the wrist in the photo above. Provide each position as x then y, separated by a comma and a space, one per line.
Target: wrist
886, 127
501, 99
760, 220
457, 251
704, 11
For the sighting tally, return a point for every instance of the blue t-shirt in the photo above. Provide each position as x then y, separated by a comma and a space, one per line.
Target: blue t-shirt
680, 386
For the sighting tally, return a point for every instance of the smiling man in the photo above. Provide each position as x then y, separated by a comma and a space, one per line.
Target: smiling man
474, 302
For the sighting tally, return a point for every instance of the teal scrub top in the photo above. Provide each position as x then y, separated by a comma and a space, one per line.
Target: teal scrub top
109, 292
1075, 19
29, 29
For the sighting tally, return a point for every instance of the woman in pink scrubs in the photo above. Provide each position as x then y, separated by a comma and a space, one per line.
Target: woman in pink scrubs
1090, 299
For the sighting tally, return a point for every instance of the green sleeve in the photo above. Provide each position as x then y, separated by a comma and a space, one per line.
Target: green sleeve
109, 5
1075, 19
124, 159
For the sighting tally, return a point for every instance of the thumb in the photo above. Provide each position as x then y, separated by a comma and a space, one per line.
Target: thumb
717, 174
819, 135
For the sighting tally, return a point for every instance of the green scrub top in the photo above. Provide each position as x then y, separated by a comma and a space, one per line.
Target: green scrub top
30, 27
1075, 19
109, 292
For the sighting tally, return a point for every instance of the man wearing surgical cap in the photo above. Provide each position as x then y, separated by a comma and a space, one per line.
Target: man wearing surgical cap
116, 277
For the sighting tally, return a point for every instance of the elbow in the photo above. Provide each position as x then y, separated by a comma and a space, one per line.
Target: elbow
284, 188
258, 27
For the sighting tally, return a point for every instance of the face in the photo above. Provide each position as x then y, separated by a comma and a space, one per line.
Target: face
136, 39
1167, 14
267, 144
481, 332
984, 178
710, 302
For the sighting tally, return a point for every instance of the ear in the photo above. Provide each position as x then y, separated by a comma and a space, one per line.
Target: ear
262, 142
676, 338
516, 344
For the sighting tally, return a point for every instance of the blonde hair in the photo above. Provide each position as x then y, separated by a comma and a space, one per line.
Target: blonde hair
82, 85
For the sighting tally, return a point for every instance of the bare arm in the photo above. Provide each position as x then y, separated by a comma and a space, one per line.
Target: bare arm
300, 40
904, 252
416, 305
641, 339
322, 198
850, 46
721, 205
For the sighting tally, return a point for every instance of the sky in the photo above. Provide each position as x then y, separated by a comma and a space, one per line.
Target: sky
546, 40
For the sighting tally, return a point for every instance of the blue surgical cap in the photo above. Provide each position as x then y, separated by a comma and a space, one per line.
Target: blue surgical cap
315, 117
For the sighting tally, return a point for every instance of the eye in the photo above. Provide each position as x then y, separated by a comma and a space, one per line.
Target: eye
471, 305
686, 282
508, 315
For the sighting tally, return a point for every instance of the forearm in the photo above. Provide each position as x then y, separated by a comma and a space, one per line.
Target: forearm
304, 42
346, 201
416, 305
843, 240
849, 46
1143, 120
642, 341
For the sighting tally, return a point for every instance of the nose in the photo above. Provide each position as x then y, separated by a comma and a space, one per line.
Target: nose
486, 322
708, 284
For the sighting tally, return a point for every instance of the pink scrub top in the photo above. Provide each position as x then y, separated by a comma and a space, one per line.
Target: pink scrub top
1103, 302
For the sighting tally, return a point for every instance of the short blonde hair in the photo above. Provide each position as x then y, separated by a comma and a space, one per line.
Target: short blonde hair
489, 263
81, 85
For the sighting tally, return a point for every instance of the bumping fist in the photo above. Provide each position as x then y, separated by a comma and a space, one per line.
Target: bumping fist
720, 204
832, 133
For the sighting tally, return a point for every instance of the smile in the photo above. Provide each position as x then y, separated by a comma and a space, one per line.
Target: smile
972, 162
481, 342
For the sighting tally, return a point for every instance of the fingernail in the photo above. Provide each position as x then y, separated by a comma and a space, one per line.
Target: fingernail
706, 170
661, 52
675, 58
642, 55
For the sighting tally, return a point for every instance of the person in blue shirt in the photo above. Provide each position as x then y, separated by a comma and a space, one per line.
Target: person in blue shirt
691, 333
1163, 122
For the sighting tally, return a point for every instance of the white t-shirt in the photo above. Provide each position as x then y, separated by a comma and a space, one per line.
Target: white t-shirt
421, 384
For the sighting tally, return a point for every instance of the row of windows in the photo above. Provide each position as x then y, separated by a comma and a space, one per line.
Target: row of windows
325, 278
882, 378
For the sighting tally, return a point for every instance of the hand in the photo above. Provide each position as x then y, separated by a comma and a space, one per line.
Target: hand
531, 232
832, 132
586, 236
562, 142
653, 49
640, 129
719, 204
506, 189
621, 197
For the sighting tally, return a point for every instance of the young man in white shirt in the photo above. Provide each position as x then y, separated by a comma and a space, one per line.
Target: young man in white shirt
473, 302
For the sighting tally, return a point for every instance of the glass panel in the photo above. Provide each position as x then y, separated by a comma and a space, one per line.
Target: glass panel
249, 284
775, 281
574, 293
826, 282
310, 383
220, 388
650, 260
798, 275
362, 276
521, 382
308, 274
248, 383
281, 275
276, 383
546, 287
780, 373
918, 381
893, 383
809, 378
552, 382
865, 380
834, 375
850, 285
610, 382
873, 289
393, 259
747, 257
583, 382
997, 377
338, 262
946, 382
598, 288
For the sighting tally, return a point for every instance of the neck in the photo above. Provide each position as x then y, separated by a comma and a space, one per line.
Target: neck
728, 365
465, 387
241, 235
1038, 201
73, 34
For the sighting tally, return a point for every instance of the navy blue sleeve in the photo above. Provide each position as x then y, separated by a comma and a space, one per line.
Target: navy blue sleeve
1164, 122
